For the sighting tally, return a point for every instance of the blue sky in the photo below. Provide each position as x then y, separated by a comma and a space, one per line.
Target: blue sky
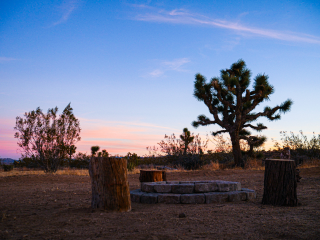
128, 67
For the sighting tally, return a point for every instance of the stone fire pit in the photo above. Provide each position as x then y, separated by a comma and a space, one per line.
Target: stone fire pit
191, 192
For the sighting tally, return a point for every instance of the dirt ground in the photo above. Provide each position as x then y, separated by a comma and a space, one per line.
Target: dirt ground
58, 207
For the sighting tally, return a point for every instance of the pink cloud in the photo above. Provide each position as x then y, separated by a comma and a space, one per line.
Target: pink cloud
120, 137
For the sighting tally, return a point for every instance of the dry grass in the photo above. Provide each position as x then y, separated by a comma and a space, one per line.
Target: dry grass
254, 164
310, 163
26, 171
213, 166
251, 164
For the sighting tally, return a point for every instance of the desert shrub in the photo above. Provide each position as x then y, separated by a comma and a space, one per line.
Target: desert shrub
133, 160
191, 161
27, 162
7, 168
80, 161
301, 148
221, 157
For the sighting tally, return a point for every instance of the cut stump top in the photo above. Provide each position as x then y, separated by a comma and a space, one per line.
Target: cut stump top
280, 160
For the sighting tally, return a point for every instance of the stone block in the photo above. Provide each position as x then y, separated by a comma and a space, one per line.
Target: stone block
149, 198
205, 187
182, 188
236, 196
135, 195
251, 194
216, 197
162, 188
169, 198
238, 186
161, 182
186, 182
234, 186
213, 181
193, 198
147, 187
173, 182
223, 187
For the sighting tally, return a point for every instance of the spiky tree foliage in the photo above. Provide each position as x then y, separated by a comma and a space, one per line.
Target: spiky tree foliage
94, 150
48, 138
253, 141
186, 139
231, 103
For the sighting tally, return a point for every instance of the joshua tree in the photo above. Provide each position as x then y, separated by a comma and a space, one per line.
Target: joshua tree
253, 141
231, 103
94, 150
186, 139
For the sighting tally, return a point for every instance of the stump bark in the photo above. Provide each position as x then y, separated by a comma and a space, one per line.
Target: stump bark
110, 187
152, 176
280, 184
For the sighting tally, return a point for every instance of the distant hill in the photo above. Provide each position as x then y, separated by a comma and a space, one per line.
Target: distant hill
7, 161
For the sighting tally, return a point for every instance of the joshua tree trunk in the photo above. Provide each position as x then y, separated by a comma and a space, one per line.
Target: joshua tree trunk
185, 148
250, 150
236, 149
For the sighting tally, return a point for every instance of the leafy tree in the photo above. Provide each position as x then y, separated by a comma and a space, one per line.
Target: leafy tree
186, 139
48, 138
231, 103
170, 145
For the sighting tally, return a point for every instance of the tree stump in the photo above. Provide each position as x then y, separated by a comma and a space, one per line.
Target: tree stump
152, 176
280, 184
110, 187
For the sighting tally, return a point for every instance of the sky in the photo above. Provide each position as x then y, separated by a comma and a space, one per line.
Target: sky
128, 67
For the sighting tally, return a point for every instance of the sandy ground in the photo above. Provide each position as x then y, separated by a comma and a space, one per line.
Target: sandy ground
58, 207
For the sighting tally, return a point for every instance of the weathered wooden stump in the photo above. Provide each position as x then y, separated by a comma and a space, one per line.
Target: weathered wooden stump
152, 176
280, 184
110, 187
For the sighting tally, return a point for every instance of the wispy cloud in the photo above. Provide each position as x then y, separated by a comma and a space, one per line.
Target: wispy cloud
174, 65
182, 16
7, 59
156, 73
66, 9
